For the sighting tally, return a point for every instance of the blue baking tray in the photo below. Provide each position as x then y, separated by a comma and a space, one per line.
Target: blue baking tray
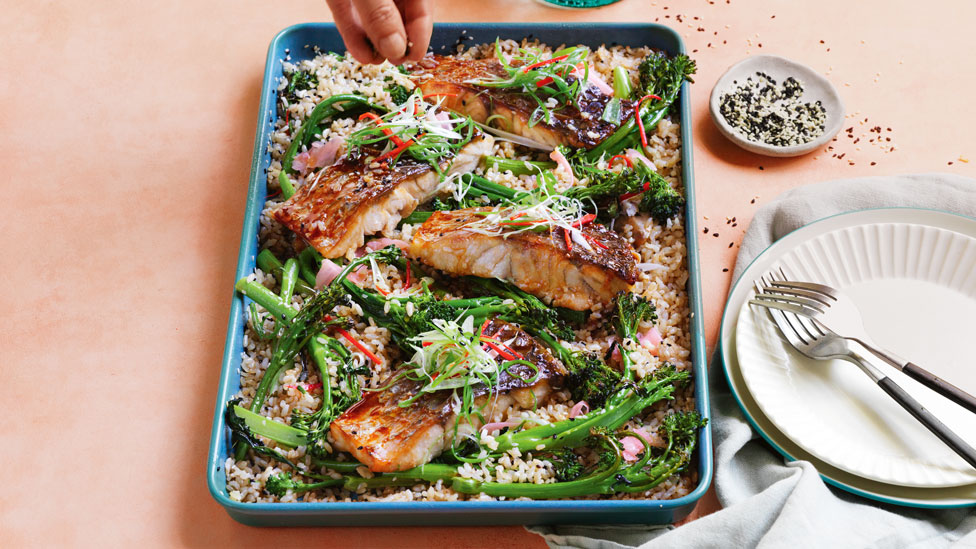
297, 42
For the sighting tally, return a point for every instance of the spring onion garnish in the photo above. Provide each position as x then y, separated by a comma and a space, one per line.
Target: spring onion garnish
420, 129
456, 356
543, 210
553, 82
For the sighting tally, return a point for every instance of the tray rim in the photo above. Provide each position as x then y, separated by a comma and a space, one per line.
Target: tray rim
445, 511
725, 363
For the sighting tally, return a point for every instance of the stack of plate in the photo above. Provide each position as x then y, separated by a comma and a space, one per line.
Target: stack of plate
912, 274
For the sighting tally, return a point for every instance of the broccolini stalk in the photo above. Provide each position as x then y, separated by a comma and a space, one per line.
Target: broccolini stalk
631, 310
267, 262
611, 473
518, 167
289, 277
590, 379
526, 310
341, 104
605, 188
625, 403
298, 327
660, 76
325, 352
281, 483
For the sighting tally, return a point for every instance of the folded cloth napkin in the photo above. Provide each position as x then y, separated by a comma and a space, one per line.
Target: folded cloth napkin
768, 502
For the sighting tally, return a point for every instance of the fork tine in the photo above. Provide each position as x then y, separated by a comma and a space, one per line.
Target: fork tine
815, 306
773, 302
774, 310
796, 323
780, 313
821, 299
821, 329
793, 318
812, 286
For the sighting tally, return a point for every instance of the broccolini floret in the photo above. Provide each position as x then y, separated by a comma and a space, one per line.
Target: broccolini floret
279, 484
565, 463
661, 75
631, 309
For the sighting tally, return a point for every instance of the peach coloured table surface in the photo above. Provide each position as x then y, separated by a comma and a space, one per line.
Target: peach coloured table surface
125, 139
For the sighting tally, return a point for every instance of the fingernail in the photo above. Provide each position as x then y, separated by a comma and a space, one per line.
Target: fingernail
392, 46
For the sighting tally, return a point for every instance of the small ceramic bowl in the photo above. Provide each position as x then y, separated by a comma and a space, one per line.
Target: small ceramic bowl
815, 88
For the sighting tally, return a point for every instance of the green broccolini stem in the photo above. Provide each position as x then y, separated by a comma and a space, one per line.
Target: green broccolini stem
621, 83
624, 404
289, 277
265, 298
518, 167
598, 482
328, 108
268, 428
416, 217
319, 353
337, 466
310, 261
267, 262
489, 187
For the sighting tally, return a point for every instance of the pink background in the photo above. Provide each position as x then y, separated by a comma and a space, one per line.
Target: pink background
125, 142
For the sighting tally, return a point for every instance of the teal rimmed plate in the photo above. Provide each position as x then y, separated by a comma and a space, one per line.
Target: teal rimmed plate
943, 497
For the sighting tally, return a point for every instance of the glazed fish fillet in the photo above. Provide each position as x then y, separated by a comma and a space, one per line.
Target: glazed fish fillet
448, 79
387, 437
539, 263
345, 202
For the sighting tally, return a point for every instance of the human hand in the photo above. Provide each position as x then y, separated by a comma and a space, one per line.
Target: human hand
374, 30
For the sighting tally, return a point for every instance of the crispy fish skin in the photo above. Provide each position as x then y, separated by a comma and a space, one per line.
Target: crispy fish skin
388, 438
448, 79
540, 264
335, 210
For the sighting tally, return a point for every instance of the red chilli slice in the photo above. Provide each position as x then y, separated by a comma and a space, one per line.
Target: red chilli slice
359, 346
595, 241
588, 218
386, 131
481, 332
444, 94
640, 123
396, 151
527, 68
544, 82
647, 185
622, 157
503, 350
569, 240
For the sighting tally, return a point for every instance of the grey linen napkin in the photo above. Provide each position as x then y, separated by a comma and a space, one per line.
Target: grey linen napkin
766, 501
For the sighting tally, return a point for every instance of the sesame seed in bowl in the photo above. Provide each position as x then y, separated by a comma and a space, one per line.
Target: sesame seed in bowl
773, 106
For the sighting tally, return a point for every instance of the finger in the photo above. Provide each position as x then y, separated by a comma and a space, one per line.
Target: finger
384, 27
352, 33
419, 19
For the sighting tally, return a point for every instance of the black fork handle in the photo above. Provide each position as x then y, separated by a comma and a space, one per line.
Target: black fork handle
940, 386
931, 422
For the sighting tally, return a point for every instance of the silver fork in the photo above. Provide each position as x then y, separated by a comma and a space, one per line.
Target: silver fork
834, 310
811, 339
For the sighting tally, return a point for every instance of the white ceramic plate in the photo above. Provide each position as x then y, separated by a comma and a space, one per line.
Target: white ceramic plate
934, 498
913, 274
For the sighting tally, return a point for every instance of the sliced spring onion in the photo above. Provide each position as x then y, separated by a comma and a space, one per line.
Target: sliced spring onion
621, 83
514, 138
611, 113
